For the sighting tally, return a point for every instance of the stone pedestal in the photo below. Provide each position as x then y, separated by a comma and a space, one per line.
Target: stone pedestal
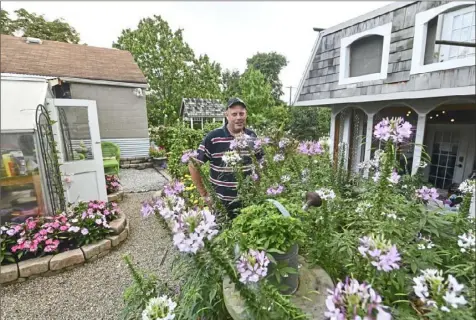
310, 296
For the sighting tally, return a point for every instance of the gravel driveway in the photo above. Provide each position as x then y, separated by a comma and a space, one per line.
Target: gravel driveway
134, 180
94, 290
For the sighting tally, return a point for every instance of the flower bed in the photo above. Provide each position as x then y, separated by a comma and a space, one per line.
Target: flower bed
45, 246
390, 255
85, 223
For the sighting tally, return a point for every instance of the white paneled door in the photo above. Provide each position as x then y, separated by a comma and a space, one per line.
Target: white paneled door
82, 166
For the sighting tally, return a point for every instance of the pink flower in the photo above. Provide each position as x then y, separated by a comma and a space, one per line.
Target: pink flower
56, 225
43, 232
64, 228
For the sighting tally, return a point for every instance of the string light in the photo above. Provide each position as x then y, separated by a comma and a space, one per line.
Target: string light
452, 120
443, 112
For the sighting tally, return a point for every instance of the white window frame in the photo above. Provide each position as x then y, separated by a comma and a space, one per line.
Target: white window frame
419, 41
385, 31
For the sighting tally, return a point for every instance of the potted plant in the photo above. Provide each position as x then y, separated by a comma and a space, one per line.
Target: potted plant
159, 157
265, 227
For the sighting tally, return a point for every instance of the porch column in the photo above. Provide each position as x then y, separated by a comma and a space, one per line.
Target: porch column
332, 135
368, 140
346, 137
419, 136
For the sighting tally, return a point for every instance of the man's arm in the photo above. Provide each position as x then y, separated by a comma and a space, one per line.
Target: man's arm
197, 178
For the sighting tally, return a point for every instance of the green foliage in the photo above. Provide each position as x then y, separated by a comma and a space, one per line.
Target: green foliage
263, 227
256, 93
270, 65
307, 123
37, 26
170, 66
230, 84
144, 287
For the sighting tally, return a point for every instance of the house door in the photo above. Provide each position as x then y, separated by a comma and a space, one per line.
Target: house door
451, 149
79, 144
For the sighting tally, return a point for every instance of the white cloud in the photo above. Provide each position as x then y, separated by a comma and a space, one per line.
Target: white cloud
229, 32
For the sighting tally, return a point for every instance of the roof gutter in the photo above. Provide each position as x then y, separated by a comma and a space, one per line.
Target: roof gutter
106, 82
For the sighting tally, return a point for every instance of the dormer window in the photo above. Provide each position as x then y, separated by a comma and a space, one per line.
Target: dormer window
364, 56
454, 21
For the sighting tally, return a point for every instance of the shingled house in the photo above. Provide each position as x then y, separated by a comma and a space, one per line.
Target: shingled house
198, 111
392, 62
110, 77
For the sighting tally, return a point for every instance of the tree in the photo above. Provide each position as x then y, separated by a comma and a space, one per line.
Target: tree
230, 84
256, 92
270, 65
170, 67
207, 75
308, 123
36, 26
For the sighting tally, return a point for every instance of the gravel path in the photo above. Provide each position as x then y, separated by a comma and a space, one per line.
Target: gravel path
94, 290
134, 180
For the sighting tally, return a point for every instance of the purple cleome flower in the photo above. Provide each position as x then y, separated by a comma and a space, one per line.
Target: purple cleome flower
351, 299
310, 148
383, 255
174, 188
187, 155
426, 193
395, 129
275, 190
252, 266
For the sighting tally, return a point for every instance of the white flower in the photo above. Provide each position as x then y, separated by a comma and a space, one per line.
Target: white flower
285, 178
326, 194
467, 186
467, 242
278, 157
160, 308
74, 229
231, 158
431, 287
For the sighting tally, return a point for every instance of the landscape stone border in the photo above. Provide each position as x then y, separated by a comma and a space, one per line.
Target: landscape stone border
116, 196
136, 163
55, 264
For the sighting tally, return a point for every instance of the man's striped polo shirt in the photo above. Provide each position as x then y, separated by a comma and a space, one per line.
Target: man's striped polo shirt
212, 149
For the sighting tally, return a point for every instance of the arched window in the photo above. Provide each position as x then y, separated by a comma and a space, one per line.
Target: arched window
366, 56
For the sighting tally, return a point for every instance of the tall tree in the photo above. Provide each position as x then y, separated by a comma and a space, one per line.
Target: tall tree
270, 65
207, 75
170, 67
37, 26
230, 84
257, 94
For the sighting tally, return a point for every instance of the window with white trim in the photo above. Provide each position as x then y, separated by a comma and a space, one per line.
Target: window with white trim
364, 56
454, 21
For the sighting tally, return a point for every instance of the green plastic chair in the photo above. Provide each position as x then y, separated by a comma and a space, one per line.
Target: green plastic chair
111, 155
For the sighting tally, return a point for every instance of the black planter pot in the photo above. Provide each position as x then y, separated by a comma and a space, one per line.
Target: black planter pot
287, 285
159, 163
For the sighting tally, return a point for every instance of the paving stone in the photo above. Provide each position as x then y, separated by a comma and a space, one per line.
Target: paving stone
34, 266
66, 259
94, 249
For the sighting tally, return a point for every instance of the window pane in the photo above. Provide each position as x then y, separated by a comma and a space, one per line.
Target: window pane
456, 35
465, 34
74, 123
457, 21
21, 195
467, 19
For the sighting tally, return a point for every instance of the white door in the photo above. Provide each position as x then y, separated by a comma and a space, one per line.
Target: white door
452, 151
76, 131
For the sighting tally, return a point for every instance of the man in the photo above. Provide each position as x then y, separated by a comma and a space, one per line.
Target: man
212, 148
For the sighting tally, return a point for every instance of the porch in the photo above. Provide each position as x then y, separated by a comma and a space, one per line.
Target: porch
444, 134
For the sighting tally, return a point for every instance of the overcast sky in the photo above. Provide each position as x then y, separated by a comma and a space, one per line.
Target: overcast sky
229, 32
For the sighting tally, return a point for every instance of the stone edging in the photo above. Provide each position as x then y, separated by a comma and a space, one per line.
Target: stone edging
116, 196
55, 264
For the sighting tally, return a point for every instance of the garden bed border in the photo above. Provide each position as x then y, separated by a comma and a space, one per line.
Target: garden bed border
54, 264
116, 196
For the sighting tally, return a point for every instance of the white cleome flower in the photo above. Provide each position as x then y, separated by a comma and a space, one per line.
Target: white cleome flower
231, 158
326, 194
160, 308
467, 242
467, 186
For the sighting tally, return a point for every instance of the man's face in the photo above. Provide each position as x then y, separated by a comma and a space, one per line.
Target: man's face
236, 116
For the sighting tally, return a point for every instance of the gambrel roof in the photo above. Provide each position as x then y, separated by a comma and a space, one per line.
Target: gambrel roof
320, 82
201, 108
